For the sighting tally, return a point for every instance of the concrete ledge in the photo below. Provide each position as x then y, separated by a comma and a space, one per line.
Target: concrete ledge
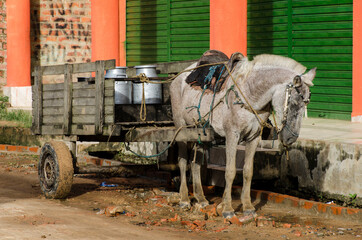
19, 97
357, 119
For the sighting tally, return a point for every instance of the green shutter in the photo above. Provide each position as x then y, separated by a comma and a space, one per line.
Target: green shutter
190, 29
267, 27
146, 31
166, 30
318, 34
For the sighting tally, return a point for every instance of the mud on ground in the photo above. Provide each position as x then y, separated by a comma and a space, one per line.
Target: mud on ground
139, 208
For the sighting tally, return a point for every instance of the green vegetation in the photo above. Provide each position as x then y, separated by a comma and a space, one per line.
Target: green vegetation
23, 118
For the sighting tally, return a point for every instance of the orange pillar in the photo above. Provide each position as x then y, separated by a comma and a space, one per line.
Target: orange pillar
122, 32
357, 65
105, 30
228, 26
18, 43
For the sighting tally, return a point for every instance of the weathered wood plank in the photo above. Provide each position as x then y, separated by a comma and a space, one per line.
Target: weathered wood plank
79, 110
53, 70
109, 83
76, 119
108, 101
77, 67
52, 130
84, 101
83, 85
84, 93
77, 129
53, 87
53, 103
67, 117
38, 101
90, 119
91, 67
99, 120
53, 120
80, 93
53, 94
53, 111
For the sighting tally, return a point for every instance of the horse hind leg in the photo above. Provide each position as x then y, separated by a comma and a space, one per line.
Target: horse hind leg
182, 162
196, 179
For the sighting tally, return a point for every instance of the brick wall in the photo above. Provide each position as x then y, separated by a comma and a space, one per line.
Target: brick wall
60, 31
2, 42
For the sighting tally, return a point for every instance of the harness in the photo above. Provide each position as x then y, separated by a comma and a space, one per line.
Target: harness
288, 91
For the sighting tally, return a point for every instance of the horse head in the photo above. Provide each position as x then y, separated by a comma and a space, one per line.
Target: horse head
297, 96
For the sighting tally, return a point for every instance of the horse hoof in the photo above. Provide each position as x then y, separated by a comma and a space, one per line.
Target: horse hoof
228, 214
251, 213
185, 205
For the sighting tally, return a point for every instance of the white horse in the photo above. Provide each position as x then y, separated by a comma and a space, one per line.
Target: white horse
267, 81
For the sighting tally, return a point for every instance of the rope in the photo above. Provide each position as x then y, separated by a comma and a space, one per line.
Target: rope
158, 154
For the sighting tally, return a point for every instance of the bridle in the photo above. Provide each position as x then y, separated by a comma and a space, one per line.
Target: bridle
288, 91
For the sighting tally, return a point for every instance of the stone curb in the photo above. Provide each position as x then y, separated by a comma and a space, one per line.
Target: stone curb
5, 148
307, 205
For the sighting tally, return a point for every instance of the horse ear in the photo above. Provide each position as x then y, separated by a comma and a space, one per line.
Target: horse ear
297, 81
309, 76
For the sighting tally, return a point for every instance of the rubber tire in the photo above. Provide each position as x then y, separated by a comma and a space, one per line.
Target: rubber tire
57, 159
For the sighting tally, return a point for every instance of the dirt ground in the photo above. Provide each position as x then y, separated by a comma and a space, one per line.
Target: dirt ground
139, 208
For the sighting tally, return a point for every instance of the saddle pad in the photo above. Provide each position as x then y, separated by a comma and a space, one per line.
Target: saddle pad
213, 76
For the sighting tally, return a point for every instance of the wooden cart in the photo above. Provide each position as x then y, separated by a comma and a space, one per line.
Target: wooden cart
86, 111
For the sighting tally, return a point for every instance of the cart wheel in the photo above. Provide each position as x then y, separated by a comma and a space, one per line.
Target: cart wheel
55, 170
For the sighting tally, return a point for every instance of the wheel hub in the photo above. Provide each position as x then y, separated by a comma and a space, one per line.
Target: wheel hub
49, 171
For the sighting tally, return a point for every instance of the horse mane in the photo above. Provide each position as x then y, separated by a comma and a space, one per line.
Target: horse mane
278, 61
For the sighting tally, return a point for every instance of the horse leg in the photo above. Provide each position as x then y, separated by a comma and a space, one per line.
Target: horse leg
182, 162
250, 148
232, 140
196, 179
